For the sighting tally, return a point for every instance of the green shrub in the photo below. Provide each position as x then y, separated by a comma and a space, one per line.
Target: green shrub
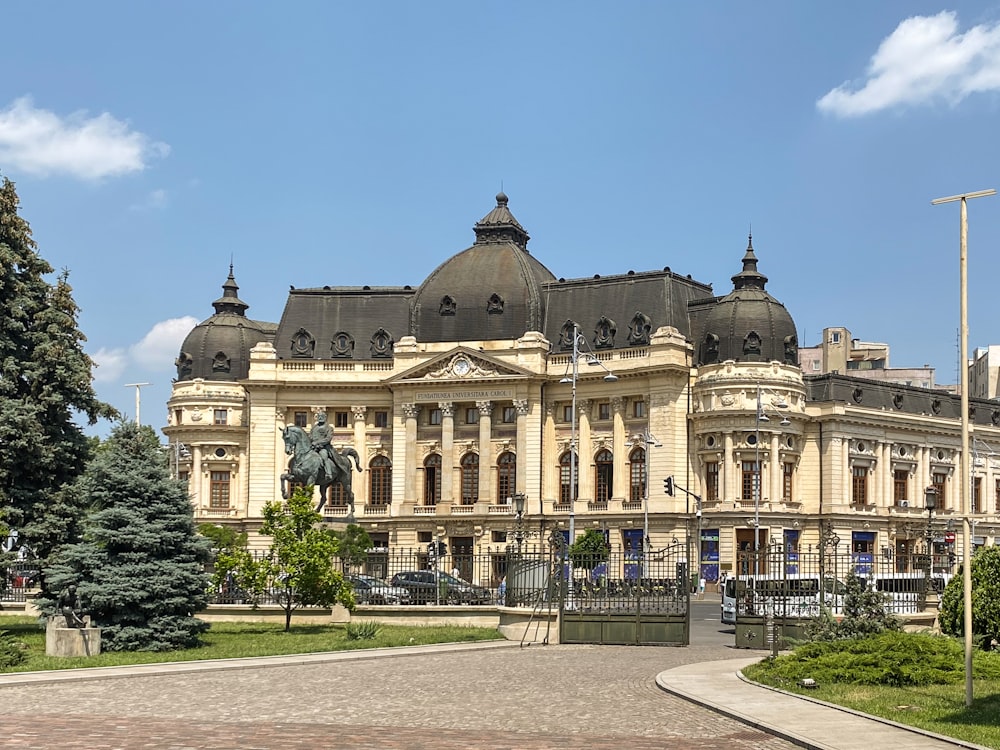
985, 573
864, 614
890, 658
12, 651
366, 630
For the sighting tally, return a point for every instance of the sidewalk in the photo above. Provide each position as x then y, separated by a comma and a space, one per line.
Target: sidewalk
805, 722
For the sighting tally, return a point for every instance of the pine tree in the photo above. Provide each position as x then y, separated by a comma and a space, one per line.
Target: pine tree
140, 569
45, 382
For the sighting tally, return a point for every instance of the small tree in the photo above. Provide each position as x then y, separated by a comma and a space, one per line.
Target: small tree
985, 572
231, 560
353, 544
140, 569
299, 563
589, 550
864, 614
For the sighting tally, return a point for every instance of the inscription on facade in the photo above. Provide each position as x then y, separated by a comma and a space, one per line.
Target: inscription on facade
501, 393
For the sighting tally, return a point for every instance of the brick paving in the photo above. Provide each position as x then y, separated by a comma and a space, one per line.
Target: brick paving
522, 699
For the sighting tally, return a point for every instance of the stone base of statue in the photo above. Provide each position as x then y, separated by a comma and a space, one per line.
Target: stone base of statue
64, 641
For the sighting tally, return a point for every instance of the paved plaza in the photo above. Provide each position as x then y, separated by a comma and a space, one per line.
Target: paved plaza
498, 697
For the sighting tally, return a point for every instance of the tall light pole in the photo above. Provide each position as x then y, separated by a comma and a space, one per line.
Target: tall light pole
650, 442
758, 473
964, 383
138, 398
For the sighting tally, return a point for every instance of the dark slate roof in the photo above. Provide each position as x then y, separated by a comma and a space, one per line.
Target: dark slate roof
893, 397
746, 325
219, 347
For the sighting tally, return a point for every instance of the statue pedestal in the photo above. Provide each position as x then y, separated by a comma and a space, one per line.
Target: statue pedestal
66, 642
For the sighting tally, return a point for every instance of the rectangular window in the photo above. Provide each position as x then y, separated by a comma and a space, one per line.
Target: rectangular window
900, 478
835, 337
381, 419
178, 413
786, 481
604, 410
639, 409
712, 481
472, 415
816, 365
425, 536
509, 415
750, 480
340, 419
219, 491
977, 495
184, 477
568, 413
498, 537
434, 417
859, 485
301, 419
996, 501
221, 416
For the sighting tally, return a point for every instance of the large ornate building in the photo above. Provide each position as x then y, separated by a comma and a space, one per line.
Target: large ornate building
459, 393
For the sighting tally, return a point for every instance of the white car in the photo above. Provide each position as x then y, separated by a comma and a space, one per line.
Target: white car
371, 590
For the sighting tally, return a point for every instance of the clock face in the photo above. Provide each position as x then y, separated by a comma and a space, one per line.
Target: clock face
461, 367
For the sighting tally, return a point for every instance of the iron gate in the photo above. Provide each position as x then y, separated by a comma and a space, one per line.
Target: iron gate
625, 598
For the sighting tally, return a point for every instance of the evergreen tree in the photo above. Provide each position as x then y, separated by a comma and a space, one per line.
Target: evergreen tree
45, 382
985, 574
140, 568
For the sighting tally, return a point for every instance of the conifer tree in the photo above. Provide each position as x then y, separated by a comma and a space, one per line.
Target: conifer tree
140, 569
45, 382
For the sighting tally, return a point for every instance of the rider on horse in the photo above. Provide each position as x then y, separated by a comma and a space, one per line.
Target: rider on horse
321, 439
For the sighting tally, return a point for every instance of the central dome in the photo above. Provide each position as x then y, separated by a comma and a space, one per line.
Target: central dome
492, 290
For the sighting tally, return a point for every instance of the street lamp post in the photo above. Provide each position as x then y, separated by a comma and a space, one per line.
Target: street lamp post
964, 383
758, 473
930, 502
518, 502
650, 442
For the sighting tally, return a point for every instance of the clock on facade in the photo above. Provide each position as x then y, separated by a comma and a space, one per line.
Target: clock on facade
461, 366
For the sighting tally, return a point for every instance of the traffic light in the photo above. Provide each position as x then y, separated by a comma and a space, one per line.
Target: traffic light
442, 549
431, 549
668, 486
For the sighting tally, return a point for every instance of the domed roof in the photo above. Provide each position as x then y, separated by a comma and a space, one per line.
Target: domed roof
492, 290
748, 324
219, 348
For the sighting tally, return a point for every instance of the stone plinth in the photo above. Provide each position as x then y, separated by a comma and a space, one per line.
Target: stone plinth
66, 642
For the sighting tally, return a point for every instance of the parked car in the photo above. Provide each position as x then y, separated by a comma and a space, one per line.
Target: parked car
429, 587
372, 590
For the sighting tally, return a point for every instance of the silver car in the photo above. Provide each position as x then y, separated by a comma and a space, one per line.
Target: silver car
371, 590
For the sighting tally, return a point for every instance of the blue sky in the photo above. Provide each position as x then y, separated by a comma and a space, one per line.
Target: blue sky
336, 143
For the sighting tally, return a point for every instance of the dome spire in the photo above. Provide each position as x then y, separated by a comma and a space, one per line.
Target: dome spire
499, 225
230, 302
749, 277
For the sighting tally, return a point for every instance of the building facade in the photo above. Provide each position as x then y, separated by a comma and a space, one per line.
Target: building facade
476, 385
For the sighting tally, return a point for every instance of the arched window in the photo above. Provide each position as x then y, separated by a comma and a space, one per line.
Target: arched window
432, 479
604, 471
506, 476
637, 475
470, 478
565, 470
380, 481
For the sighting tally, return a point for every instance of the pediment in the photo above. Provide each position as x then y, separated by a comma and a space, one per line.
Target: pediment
460, 365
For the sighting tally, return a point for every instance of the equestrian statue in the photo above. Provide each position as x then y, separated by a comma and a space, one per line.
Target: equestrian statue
315, 461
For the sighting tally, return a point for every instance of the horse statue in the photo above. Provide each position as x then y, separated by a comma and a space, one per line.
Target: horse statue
306, 466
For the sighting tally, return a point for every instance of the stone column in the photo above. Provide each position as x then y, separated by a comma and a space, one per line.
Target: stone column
359, 482
485, 452
585, 453
621, 478
409, 467
730, 471
447, 451
521, 445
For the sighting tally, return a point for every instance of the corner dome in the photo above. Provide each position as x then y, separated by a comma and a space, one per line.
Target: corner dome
492, 290
219, 347
748, 324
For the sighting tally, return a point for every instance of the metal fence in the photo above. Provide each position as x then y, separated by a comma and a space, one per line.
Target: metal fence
792, 583
20, 578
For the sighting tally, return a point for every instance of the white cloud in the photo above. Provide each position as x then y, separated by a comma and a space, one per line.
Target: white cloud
90, 148
155, 200
155, 351
160, 346
925, 60
110, 363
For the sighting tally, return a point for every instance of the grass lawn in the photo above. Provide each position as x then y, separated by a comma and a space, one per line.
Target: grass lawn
226, 640
938, 708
